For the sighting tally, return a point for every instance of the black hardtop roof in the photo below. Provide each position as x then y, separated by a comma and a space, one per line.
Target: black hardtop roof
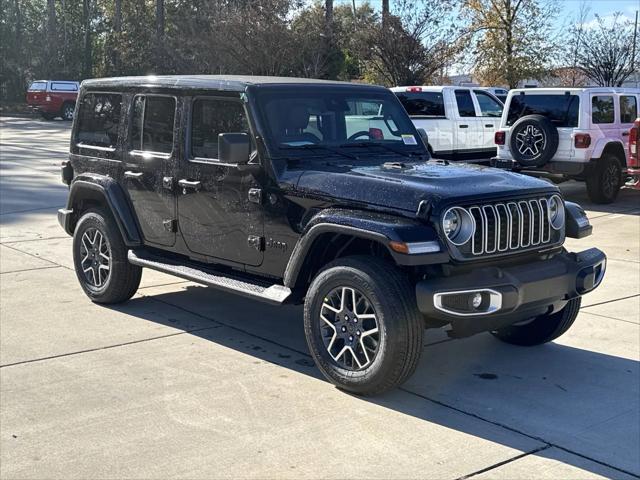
236, 83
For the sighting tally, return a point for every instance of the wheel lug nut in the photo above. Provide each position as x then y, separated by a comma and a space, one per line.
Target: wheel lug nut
350, 338
344, 329
358, 333
355, 320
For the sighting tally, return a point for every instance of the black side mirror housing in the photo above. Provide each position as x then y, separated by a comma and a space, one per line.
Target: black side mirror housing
234, 148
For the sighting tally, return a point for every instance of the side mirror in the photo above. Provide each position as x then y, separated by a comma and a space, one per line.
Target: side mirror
425, 138
234, 148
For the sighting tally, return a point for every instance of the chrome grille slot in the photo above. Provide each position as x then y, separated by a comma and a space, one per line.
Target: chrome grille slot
509, 226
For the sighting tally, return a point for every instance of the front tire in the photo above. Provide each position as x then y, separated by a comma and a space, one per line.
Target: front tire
100, 260
362, 325
604, 182
542, 329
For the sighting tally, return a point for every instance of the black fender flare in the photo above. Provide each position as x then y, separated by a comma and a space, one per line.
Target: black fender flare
92, 185
576, 222
379, 227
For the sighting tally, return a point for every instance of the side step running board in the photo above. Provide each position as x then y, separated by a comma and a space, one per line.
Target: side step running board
275, 294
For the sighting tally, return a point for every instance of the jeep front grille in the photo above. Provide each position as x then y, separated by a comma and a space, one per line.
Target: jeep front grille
509, 226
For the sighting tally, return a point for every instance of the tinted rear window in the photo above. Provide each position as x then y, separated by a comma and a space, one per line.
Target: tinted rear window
602, 110
465, 103
98, 120
38, 87
152, 123
425, 104
562, 110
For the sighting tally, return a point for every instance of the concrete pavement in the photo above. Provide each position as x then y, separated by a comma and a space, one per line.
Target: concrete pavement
186, 382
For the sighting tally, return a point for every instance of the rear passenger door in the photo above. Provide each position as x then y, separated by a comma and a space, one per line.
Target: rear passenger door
490, 113
150, 166
468, 126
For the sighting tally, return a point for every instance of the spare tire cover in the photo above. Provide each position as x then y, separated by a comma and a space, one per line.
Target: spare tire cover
533, 140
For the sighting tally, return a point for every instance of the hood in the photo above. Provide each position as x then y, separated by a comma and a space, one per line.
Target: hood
404, 185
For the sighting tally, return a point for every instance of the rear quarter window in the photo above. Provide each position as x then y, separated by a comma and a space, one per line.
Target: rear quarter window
64, 87
602, 110
423, 104
98, 122
561, 110
628, 108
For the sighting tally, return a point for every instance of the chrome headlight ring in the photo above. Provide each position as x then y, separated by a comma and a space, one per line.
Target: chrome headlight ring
458, 225
556, 212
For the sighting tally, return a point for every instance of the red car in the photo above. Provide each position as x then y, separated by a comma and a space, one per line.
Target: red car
53, 98
634, 155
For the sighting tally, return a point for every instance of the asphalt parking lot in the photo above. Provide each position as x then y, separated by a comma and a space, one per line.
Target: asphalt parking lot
186, 382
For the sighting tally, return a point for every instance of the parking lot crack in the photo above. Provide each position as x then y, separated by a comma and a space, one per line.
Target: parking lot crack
504, 462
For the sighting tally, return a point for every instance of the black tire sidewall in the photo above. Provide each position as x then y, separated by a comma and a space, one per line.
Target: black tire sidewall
119, 265
551, 140
596, 181
392, 326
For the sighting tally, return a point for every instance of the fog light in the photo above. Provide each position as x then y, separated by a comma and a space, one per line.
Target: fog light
476, 300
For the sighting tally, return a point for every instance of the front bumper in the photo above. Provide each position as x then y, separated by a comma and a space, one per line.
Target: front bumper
511, 294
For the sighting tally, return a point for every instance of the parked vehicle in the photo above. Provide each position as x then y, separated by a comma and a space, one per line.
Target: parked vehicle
633, 169
498, 92
460, 121
296, 190
53, 98
572, 133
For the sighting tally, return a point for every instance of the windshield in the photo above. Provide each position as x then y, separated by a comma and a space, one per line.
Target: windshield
321, 121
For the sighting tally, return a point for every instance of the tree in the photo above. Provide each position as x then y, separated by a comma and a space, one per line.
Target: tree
52, 37
413, 43
514, 39
87, 65
607, 55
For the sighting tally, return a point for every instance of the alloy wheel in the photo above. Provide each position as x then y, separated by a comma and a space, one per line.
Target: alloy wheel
530, 141
67, 112
96, 257
349, 328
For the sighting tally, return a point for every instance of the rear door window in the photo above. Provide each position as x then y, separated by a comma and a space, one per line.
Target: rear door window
211, 117
422, 104
561, 110
628, 108
152, 123
489, 107
602, 110
465, 103
99, 121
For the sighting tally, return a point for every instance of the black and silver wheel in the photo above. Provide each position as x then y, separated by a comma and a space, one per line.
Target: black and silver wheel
362, 325
67, 111
605, 181
100, 260
542, 329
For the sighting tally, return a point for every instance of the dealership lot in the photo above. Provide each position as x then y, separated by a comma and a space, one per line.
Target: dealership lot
184, 381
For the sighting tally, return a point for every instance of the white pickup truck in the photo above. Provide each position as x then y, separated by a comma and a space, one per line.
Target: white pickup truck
461, 121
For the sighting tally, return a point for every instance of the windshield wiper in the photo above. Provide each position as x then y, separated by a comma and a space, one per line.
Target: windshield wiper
315, 146
382, 145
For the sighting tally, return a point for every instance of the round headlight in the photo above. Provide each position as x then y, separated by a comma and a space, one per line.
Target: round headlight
458, 225
556, 212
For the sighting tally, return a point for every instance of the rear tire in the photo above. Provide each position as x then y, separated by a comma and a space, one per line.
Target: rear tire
100, 260
605, 181
542, 329
67, 111
385, 325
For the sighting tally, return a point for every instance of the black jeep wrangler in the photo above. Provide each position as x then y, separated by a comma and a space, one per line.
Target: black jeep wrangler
293, 190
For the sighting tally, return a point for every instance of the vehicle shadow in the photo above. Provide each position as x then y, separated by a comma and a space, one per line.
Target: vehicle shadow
583, 401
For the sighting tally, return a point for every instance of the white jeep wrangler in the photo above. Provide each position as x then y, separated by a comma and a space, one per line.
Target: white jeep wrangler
569, 133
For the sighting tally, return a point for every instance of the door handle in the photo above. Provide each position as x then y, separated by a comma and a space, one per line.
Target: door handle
488, 125
130, 174
464, 126
625, 134
184, 183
